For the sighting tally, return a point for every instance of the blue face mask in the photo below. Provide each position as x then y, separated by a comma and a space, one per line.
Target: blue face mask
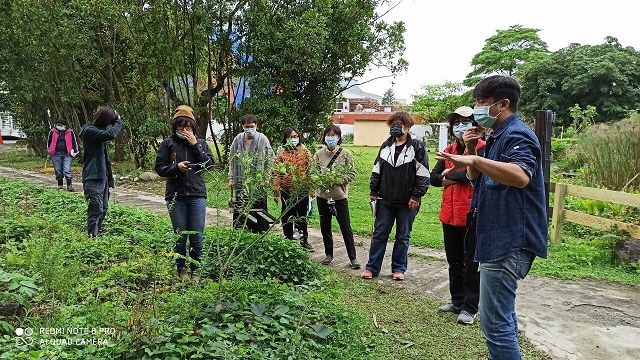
331, 141
396, 131
460, 128
250, 132
293, 141
482, 117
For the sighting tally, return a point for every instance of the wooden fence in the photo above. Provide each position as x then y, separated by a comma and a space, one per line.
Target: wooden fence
560, 214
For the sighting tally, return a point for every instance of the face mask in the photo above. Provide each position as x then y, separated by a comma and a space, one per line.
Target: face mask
180, 134
250, 132
331, 141
293, 141
61, 128
482, 117
396, 131
460, 128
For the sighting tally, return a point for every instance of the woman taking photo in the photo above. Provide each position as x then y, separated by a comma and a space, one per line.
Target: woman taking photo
183, 159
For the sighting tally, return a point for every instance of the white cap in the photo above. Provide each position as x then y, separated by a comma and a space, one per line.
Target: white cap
463, 111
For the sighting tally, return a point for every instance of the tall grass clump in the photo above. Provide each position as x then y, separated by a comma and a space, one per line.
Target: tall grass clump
611, 155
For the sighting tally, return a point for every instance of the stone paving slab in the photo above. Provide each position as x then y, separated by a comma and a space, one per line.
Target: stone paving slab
582, 319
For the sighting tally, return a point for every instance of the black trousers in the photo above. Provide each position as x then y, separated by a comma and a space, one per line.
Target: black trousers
96, 192
294, 208
242, 208
464, 278
342, 210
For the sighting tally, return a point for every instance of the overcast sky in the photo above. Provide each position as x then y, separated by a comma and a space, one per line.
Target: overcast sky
442, 36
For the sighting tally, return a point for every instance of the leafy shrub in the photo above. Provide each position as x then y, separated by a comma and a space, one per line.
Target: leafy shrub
256, 320
16, 288
57, 269
559, 147
238, 253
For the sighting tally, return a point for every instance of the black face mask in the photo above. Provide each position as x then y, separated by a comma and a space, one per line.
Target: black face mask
396, 131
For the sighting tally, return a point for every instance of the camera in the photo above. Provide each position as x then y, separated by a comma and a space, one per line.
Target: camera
332, 207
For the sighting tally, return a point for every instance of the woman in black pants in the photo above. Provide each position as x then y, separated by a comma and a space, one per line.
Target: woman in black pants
333, 201
291, 185
459, 234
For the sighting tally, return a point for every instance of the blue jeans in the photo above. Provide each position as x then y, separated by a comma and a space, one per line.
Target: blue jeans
62, 166
498, 284
385, 217
188, 214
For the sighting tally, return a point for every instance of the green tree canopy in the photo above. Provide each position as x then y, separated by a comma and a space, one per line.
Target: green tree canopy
504, 52
606, 76
145, 58
437, 101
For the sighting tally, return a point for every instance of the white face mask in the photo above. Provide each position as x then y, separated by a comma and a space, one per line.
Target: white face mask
61, 128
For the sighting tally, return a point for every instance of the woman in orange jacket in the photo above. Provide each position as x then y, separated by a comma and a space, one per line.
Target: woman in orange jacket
291, 185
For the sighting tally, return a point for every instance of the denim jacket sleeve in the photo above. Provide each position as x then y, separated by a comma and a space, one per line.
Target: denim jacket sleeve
523, 150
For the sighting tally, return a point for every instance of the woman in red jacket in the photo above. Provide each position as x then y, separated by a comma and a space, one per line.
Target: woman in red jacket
459, 240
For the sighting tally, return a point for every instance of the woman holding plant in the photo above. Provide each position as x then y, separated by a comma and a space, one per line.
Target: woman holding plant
291, 185
334, 166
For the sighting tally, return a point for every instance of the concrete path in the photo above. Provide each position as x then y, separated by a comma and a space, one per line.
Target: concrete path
566, 319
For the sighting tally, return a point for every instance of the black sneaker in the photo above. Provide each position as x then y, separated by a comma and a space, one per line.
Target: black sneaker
355, 265
70, 188
305, 245
327, 260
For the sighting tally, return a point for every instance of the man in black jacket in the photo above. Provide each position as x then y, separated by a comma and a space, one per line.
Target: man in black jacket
399, 179
97, 176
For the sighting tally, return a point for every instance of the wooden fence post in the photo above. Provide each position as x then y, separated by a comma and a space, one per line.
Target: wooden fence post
542, 127
558, 213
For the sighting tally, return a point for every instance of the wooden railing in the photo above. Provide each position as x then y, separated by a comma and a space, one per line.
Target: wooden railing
560, 214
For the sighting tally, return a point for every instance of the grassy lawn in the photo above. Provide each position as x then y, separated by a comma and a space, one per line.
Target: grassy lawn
584, 253
410, 326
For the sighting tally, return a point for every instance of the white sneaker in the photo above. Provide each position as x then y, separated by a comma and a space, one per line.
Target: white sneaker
466, 318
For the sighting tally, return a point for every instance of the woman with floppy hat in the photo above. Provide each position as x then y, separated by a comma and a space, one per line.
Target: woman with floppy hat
183, 159
459, 234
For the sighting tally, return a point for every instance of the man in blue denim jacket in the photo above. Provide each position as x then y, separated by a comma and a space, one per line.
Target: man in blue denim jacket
510, 207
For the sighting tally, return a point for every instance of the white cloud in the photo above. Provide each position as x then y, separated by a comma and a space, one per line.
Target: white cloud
442, 36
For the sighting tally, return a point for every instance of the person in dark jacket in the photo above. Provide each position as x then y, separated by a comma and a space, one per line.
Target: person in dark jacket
399, 179
63, 147
97, 176
459, 236
182, 159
